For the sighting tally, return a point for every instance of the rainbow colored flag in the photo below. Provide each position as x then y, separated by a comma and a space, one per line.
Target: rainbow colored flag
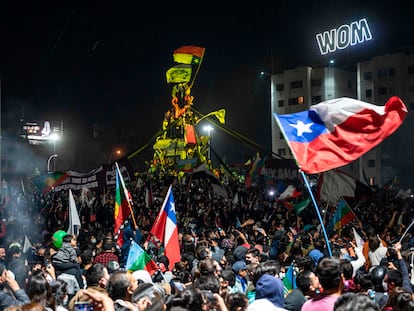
138, 259
47, 182
289, 281
122, 208
343, 216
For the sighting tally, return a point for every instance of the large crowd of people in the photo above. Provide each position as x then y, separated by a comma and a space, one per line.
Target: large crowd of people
245, 251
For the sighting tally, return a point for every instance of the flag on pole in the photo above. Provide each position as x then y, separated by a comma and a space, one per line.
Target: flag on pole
298, 207
27, 244
138, 259
338, 131
255, 170
165, 229
49, 181
343, 216
289, 281
122, 207
221, 115
358, 239
191, 55
74, 221
179, 74
289, 193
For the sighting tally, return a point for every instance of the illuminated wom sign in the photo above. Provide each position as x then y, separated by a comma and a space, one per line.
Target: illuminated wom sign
343, 36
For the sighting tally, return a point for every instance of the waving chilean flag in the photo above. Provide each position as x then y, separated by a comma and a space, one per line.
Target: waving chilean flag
338, 131
165, 229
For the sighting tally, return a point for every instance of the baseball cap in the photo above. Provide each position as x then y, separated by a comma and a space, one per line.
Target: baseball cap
238, 265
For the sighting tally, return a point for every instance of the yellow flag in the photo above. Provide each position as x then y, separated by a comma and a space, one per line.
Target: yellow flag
179, 74
221, 115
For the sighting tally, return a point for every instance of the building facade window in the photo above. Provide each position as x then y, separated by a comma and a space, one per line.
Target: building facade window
391, 72
280, 103
281, 136
296, 84
296, 101
371, 163
368, 93
281, 151
316, 82
279, 87
316, 99
411, 88
382, 72
368, 75
410, 70
382, 90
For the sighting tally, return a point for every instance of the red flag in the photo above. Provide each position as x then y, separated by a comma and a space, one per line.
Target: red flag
191, 50
165, 229
122, 207
338, 131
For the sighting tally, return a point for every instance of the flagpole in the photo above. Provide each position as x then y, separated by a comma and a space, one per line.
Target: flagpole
317, 211
126, 194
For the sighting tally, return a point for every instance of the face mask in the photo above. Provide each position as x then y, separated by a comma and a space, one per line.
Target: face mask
93, 241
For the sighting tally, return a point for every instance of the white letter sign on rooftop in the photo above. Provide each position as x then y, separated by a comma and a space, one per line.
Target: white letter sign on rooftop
344, 36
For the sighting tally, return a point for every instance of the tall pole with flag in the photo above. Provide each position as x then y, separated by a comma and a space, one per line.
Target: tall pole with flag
123, 207
336, 132
165, 229
74, 221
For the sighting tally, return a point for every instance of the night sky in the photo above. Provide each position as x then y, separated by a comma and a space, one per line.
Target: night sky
83, 62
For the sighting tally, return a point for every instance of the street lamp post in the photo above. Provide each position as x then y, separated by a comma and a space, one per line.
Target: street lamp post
48, 161
208, 129
54, 137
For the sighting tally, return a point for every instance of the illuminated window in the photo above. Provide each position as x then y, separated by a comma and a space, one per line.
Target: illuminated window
280, 103
368, 75
296, 100
279, 87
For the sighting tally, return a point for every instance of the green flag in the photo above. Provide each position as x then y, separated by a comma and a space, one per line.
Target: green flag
299, 207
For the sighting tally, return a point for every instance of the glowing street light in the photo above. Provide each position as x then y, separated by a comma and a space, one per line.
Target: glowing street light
116, 152
48, 161
209, 129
